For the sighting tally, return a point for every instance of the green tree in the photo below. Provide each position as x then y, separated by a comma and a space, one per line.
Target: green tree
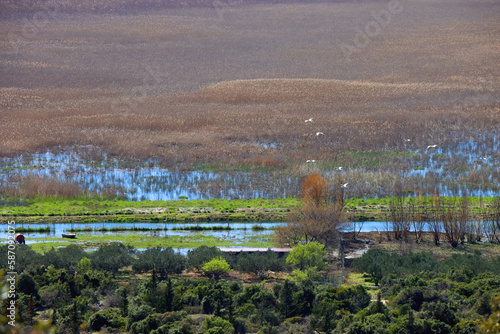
84, 266
124, 302
286, 301
259, 263
218, 325
215, 268
67, 257
164, 260
307, 256
197, 257
27, 285
169, 296
111, 257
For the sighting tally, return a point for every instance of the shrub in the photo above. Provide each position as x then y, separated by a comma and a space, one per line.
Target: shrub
215, 268
308, 255
197, 257
109, 317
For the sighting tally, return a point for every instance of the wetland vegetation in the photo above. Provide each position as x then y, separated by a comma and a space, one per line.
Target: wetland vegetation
161, 130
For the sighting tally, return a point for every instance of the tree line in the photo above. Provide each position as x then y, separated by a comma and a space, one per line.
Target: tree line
417, 293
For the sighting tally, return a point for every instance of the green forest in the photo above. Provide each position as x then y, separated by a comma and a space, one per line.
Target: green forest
118, 289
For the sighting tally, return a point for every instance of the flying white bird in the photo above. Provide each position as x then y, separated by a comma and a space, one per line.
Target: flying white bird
308, 120
431, 146
319, 133
339, 168
408, 140
309, 161
344, 185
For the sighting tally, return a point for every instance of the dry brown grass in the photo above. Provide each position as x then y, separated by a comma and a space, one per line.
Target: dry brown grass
224, 89
33, 186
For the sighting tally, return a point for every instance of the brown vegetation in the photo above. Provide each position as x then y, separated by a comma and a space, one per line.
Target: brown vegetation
319, 219
189, 88
33, 186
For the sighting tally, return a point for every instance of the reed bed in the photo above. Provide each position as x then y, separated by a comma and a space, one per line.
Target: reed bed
22, 229
183, 90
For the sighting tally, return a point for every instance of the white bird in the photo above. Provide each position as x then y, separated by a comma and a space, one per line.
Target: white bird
431, 146
308, 120
344, 185
309, 161
339, 168
319, 133
408, 140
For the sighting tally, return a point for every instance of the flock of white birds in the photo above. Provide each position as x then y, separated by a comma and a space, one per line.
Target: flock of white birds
319, 133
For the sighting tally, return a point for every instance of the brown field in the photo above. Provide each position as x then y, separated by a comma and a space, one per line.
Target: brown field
216, 86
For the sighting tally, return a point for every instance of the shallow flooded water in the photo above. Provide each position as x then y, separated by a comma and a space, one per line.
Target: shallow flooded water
238, 230
470, 167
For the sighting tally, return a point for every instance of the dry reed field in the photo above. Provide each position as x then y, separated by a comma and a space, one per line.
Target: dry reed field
234, 85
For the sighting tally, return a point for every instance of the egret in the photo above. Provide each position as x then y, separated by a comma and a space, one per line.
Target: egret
309, 161
308, 120
320, 134
339, 168
344, 185
431, 146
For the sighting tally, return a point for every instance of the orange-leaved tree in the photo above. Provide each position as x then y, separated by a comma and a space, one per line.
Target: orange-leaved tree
320, 218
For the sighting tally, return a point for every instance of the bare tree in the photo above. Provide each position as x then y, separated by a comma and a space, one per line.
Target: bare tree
456, 221
400, 214
319, 218
435, 217
417, 219
492, 221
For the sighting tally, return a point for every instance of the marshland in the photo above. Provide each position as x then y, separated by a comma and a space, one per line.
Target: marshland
154, 129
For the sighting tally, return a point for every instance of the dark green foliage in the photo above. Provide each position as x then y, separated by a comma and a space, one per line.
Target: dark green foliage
124, 301
217, 325
432, 326
145, 326
351, 298
483, 305
169, 296
109, 317
112, 257
25, 257
452, 298
137, 314
27, 285
372, 324
259, 263
416, 296
439, 311
197, 257
164, 260
286, 303
67, 257
380, 264
72, 315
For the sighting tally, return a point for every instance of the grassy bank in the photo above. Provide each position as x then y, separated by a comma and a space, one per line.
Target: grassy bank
85, 210
93, 210
146, 240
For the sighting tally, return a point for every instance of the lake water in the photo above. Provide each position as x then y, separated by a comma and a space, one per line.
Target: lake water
239, 230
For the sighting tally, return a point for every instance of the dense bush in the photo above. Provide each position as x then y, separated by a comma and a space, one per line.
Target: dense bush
164, 260
455, 296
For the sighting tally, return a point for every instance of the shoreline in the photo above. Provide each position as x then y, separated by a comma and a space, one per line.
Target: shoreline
92, 210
